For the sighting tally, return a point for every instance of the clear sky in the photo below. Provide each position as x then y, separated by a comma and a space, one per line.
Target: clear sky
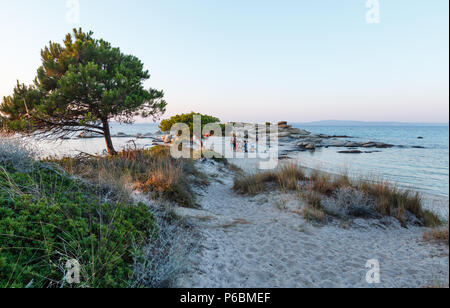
257, 60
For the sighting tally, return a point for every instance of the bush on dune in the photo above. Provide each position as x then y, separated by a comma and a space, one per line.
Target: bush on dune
48, 218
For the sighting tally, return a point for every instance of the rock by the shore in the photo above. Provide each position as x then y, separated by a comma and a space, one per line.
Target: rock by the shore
306, 146
369, 145
381, 145
295, 131
284, 134
335, 143
352, 145
351, 152
302, 140
89, 135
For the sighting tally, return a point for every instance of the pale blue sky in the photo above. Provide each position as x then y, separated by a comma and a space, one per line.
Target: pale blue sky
256, 60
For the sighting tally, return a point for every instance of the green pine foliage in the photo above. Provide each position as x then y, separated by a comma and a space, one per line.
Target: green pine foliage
188, 119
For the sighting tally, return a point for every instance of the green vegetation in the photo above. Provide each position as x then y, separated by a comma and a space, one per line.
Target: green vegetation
81, 209
80, 87
370, 196
188, 119
48, 218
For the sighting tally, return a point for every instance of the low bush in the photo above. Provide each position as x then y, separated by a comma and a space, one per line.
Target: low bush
15, 153
151, 171
349, 202
48, 218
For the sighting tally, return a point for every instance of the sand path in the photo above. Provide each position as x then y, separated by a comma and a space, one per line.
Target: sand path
258, 241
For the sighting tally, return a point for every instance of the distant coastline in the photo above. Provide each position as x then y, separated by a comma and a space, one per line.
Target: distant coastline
337, 123
362, 123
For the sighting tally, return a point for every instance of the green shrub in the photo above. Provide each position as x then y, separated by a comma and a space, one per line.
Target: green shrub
188, 119
48, 218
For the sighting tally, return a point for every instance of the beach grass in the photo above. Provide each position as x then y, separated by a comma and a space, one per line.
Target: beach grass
439, 235
386, 199
152, 171
287, 178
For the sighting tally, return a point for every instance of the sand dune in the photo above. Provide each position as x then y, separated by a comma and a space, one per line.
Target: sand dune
261, 242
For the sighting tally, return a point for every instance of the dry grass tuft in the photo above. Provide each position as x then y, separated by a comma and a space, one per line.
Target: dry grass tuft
391, 201
439, 235
312, 214
152, 171
287, 177
313, 211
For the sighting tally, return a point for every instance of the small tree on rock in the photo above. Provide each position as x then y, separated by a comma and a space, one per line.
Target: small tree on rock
188, 119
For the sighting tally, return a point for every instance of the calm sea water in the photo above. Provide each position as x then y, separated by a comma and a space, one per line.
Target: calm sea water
425, 170
97, 145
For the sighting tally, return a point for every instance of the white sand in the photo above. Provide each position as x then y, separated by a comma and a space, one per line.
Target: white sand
258, 241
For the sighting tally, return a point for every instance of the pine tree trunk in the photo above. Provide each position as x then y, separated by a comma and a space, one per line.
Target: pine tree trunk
109, 144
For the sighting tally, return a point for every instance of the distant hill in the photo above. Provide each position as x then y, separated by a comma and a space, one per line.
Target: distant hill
360, 123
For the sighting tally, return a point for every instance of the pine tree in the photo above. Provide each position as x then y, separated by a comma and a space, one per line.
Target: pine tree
80, 87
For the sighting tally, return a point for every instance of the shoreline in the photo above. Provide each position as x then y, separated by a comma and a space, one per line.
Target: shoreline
262, 241
288, 151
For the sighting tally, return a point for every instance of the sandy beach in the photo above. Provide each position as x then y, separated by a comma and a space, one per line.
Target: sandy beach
262, 241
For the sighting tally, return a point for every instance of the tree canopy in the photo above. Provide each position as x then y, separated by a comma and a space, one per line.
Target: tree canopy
188, 119
80, 87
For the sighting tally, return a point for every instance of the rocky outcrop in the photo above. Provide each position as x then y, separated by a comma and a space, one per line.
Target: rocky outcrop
340, 143
88, 135
295, 139
351, 152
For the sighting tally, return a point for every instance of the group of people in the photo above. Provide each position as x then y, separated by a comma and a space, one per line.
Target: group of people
235, 143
